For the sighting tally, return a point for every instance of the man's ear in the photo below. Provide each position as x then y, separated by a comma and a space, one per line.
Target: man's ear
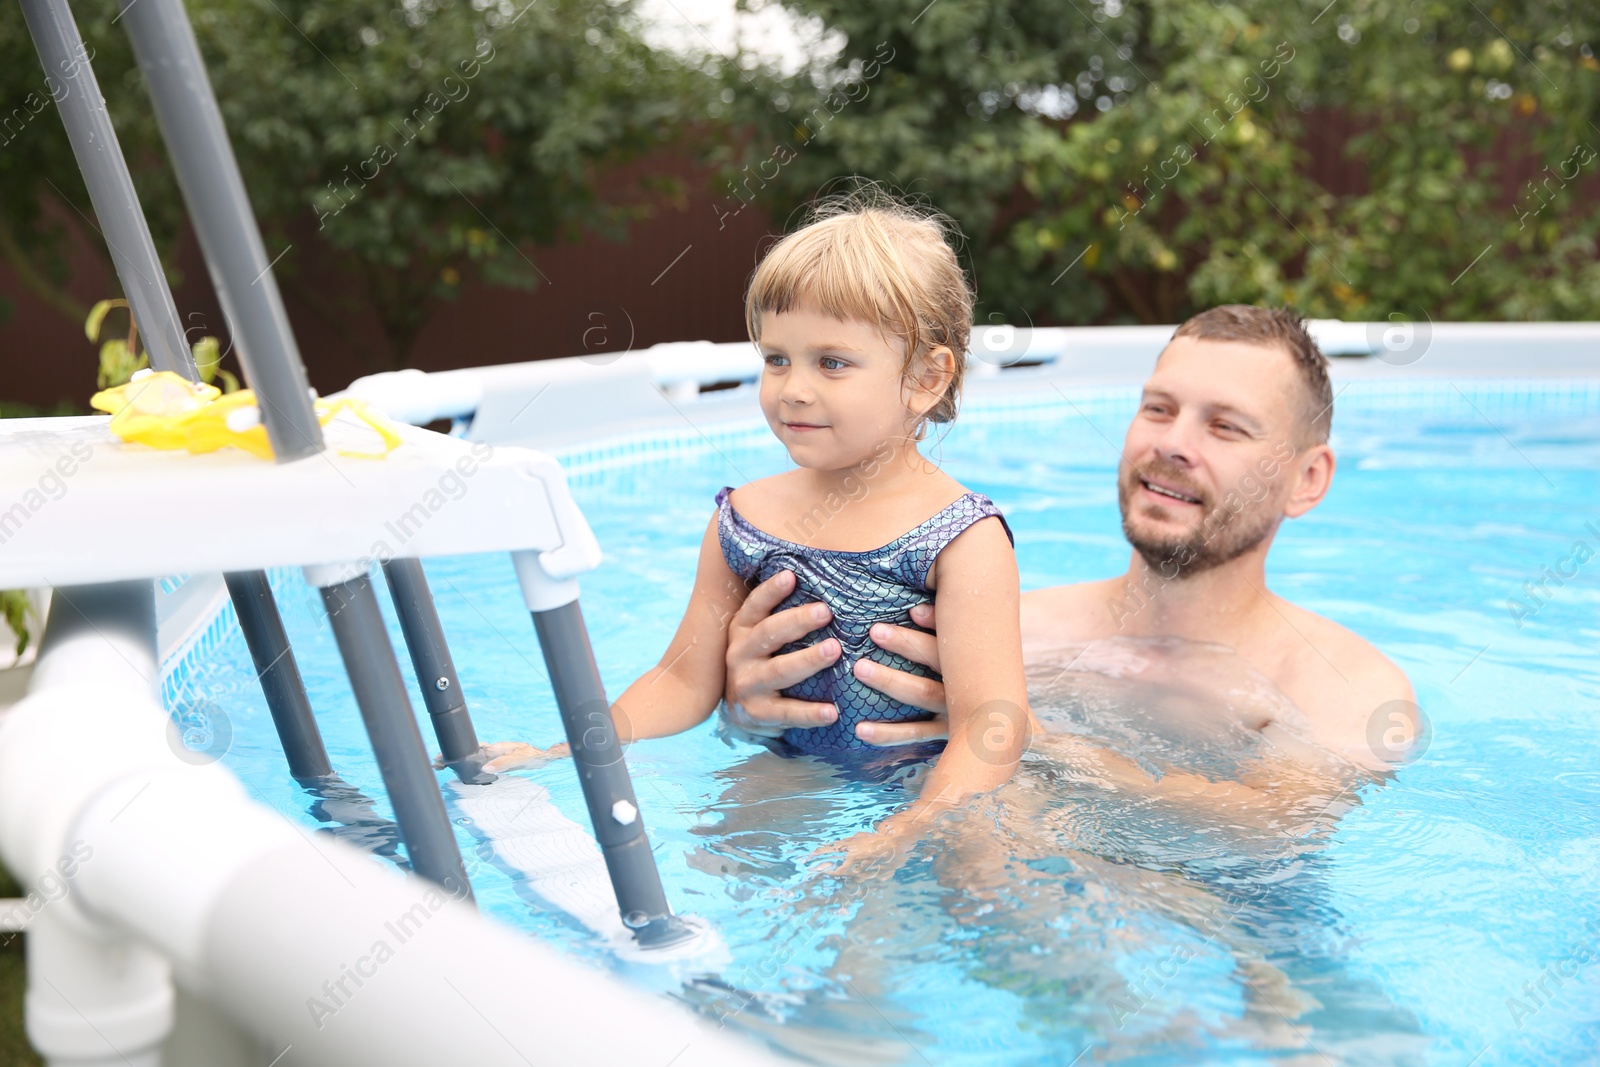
928, 378
1313, 471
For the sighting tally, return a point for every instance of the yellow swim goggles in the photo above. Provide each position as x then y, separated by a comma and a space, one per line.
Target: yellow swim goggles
165, 410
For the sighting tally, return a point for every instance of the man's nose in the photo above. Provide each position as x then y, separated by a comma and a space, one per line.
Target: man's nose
1178, 441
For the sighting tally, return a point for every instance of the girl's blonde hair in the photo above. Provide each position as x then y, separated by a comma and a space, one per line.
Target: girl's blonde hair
874, 258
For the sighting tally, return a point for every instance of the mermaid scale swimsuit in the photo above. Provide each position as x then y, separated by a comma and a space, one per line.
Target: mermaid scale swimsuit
861, 588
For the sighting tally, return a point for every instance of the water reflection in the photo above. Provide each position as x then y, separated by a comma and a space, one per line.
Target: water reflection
1150, 886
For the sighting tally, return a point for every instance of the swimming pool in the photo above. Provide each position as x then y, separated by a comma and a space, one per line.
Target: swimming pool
1417, 931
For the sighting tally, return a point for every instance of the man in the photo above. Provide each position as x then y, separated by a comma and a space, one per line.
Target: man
1230, 439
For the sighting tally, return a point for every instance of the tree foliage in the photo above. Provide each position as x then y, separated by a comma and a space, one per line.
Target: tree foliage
424, 141
1138, 161
1108, 160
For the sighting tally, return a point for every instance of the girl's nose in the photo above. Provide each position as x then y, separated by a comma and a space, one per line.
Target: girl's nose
796, 389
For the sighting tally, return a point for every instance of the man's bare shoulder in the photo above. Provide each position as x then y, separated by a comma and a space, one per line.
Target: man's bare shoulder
1340, 652
1341, 680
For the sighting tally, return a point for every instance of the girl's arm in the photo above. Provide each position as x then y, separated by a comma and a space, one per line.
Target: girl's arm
980, 656
685, 687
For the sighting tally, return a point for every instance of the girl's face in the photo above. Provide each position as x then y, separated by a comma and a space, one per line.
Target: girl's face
833, 390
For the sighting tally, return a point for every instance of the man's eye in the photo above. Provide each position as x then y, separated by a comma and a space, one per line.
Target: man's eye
1227, 427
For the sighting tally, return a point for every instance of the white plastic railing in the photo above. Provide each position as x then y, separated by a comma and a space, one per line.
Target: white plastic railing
148, 871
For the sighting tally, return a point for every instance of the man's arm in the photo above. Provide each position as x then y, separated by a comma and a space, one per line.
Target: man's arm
912, 689
1042, 613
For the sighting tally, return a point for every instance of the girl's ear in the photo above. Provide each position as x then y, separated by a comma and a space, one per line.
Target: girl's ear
928, 379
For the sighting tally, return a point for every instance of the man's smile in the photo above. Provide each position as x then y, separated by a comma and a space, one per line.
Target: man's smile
1168, 492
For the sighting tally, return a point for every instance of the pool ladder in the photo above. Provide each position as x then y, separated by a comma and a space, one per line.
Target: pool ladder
213, 190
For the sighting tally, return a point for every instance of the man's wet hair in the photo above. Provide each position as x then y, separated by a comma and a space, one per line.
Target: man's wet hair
1280, 327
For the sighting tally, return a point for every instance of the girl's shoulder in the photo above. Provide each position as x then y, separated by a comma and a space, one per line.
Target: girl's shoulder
764, 497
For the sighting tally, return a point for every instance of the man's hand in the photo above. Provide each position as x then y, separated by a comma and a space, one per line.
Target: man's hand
755, 676
913, 689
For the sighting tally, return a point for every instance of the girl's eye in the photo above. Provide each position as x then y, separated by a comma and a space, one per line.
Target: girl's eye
777, 361
830, 363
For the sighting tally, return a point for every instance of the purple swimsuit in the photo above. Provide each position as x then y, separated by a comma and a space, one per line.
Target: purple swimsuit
861, 588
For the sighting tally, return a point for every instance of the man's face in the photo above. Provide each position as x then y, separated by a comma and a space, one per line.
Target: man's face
1206, 465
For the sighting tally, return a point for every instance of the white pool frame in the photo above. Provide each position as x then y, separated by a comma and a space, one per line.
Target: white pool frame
558, 404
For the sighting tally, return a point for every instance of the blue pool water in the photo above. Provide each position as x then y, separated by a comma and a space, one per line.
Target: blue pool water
1090, 924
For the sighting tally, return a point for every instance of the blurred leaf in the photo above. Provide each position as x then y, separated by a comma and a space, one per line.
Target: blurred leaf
117, 366
207, 355
97, 316
390, 132
17, 609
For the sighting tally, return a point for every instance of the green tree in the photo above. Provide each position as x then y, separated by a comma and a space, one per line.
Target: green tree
41, 190
941, 101
1117, 161
433, 139
423, 142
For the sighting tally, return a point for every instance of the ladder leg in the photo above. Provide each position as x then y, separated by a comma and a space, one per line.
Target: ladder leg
607, 787
380, 693
436, 671
279, 674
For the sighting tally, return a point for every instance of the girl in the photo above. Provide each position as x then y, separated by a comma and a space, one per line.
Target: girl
863, 319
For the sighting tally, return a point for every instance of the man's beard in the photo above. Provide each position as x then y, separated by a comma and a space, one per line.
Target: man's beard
1219, 536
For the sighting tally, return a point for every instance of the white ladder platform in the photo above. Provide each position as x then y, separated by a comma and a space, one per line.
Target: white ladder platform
79, 505
557, 860
559, 866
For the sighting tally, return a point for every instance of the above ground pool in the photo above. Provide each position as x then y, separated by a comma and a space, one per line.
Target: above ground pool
1445, 916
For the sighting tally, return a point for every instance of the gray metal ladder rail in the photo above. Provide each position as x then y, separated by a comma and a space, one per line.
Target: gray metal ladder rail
603, 774
208, 174
187, 111
279, 675
213, 190
133, 252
